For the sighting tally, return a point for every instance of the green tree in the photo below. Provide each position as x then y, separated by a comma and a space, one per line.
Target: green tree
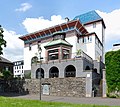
112, 61
7, 75
2, 41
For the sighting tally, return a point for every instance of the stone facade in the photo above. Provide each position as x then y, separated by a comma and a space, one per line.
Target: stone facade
59, 86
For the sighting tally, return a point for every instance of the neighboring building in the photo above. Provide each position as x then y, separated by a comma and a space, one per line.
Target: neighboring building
19, 69
5, 65
72, 49
116, 47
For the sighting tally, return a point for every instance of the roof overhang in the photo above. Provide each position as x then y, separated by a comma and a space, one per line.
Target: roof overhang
96, 21
64, 27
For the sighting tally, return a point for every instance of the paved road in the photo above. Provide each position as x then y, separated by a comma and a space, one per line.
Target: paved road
95, 100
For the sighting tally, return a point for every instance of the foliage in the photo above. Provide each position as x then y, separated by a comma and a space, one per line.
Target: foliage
78, 52
34, 60
12, 102
112, 61
113, 95
2, 41
28, 75
7, 75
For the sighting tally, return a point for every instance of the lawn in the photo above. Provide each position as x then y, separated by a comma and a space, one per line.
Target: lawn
12, 102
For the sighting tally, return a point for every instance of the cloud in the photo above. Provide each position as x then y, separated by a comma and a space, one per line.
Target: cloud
14, 49
35, 24
15, 46
112, 22
24, 7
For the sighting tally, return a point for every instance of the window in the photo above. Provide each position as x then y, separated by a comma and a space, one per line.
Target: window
22, 71
96, 41
83, 40
53, 54
77, 39
94, 25
19, 67
65, 54
6, 68
90, 39
30, 46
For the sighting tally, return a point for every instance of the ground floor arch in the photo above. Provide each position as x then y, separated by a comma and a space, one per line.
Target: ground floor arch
87, 68
53, 72
38, 73
70, 71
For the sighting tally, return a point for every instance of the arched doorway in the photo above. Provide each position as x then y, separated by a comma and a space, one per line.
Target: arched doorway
87, 68
38, 73
53, 72
70, 71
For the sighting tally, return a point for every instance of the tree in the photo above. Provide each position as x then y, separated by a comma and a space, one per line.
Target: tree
7, 75
2, 41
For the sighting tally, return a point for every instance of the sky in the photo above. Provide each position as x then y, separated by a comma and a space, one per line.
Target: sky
20, 17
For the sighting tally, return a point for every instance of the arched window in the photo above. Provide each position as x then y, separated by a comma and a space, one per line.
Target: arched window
53, 72
70, 71
34, 59
38, 73
87, 68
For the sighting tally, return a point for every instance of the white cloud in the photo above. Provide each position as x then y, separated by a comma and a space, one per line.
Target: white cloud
35, 24
24, 7
112, 22
14, 49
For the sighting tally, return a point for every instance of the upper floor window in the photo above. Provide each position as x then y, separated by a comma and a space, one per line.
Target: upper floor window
30, 46
94, 25
90, 38
53, 54
19, 67
65, 54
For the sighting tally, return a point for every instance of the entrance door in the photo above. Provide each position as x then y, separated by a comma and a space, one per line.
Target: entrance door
46, 89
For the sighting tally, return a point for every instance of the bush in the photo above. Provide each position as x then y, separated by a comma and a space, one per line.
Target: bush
113, 95
112, 61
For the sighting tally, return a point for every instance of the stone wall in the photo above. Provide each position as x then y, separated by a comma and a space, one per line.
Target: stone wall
58, 86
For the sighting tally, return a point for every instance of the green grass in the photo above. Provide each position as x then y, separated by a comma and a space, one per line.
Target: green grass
14, 102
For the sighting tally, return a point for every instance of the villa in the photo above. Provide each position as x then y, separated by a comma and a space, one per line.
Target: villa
71, 58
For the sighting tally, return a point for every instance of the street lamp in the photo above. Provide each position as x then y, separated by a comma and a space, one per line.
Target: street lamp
39, 51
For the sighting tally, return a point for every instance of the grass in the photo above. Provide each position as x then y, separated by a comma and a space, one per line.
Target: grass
13, 102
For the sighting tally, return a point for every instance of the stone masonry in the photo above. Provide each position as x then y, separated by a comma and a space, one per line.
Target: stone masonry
59, 86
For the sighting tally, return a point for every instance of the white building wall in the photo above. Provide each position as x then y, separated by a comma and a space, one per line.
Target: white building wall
116, 48
98, 51
88, 48
97, 29
73, 41
29, 54
100, 32
18, 71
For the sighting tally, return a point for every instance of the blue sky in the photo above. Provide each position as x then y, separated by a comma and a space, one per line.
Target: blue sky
15, 14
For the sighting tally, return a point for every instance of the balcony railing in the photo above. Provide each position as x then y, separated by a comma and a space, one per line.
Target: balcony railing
73, 56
